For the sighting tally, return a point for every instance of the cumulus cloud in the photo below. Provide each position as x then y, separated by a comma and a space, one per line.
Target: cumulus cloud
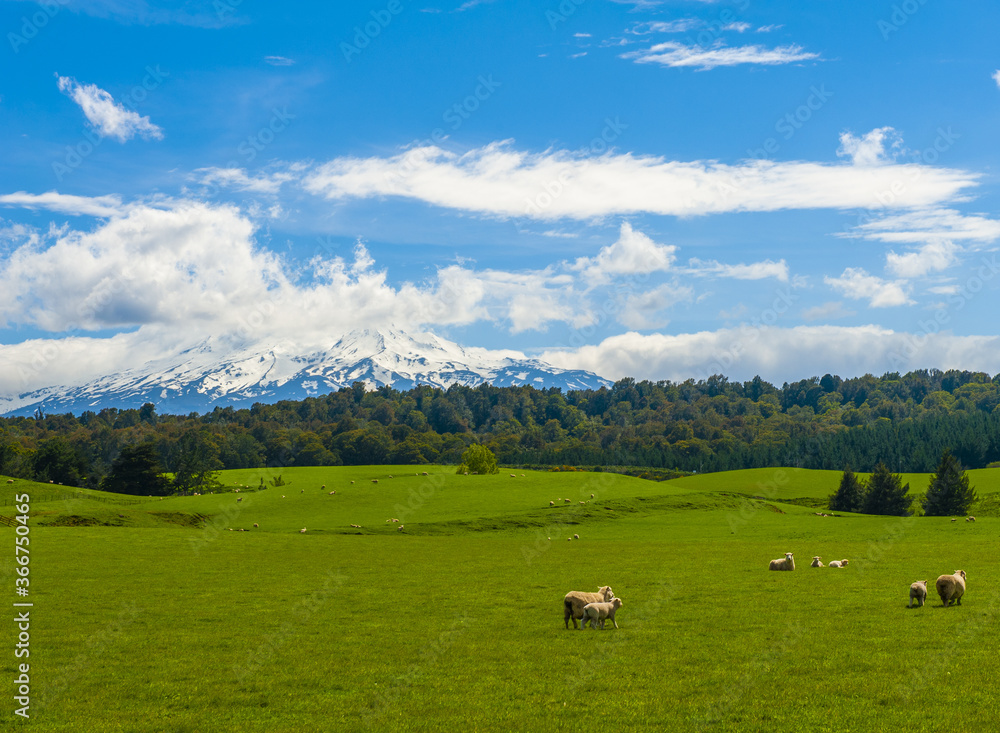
108, 117
857, 284
931, 257
996, 77
633, 254
778, 354
499, 180
870, 148
675, 54
645, 310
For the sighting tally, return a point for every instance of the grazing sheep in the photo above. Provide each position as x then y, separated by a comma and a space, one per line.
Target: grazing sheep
513, 476
10, 481
817, 562
239, 499
970, 519
954, 520
566, 500
951, 588
356, 526
302, 531
838, 563
552, 503
594, 612
332, 492
390, 475
399, 528
255, 525
576, 537
575, 600
323, 487
352, 482
374, 480
424, 473
918, 591
591, 496
784, 563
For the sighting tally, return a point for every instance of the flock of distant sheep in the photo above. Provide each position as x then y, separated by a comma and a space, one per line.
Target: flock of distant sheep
950, 588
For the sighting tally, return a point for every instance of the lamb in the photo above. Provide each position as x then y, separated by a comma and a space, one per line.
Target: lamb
594, 612
918, 591
951, 588
838, 563
785, 563
575, 600
817, 562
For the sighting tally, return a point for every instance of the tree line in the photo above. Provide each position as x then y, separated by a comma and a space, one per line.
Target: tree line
903, 421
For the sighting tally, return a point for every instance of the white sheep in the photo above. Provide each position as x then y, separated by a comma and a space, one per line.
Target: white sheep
838, 563
594, 612
817, 562
784, 563
302, 531
575, 600
513, 476
951, 588
399, 528
374, 480
970, 519
576, 537
954, 520
323, 487
552, 503
918, 592
256, 526
566, 500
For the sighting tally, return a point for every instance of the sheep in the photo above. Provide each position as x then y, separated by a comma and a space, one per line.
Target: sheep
399, 528
918, 591
817, 562
10, 481
390, 475
302, 531
352, 482
954, 520
591, 496
552, 503
970, 519
575, 600
566, 500
239, 499
576, 537
323, 487
424, 473
356, 526
513, 476
951, 588
594, 612
838, 563
374, 480
332, 492
785, 563
255, 525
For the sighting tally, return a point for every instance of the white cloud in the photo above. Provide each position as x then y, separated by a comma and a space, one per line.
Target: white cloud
581, 35
738, 26
870, 148
108, 117
996, 77
501, 181
857, 284
633, 254
769, 28
578, 55
921, 225
778, 354
63, 203
279, 61
752, 271
931, 257
239, 179
674, 54
681, 25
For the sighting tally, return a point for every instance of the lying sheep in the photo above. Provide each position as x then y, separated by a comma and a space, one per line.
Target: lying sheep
594, 612
785, 563
918, 591
838, 563
817, 562
575, 600
951, 588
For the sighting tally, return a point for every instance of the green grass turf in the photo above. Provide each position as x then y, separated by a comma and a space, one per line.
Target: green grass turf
456, 622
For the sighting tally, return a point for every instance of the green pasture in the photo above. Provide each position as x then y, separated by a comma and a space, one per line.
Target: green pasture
154, 616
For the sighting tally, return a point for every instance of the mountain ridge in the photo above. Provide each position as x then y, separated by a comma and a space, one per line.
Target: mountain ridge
212, 373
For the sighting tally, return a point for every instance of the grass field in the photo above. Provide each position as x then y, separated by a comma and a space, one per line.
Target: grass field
154, 616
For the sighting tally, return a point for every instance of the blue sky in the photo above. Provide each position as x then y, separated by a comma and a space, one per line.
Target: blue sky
653, 189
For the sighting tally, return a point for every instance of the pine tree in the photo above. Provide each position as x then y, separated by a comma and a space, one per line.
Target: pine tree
886, 494
137, 471
850, 495
949, 493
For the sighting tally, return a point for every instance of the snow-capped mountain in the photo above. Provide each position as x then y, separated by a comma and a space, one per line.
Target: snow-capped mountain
213, 373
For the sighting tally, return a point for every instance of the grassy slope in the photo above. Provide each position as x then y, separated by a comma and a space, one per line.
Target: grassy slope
272, 630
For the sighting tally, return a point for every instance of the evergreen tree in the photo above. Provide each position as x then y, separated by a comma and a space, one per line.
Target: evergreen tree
886, 494
478, 459
137, 471
58, 462
850, 495
949, 493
